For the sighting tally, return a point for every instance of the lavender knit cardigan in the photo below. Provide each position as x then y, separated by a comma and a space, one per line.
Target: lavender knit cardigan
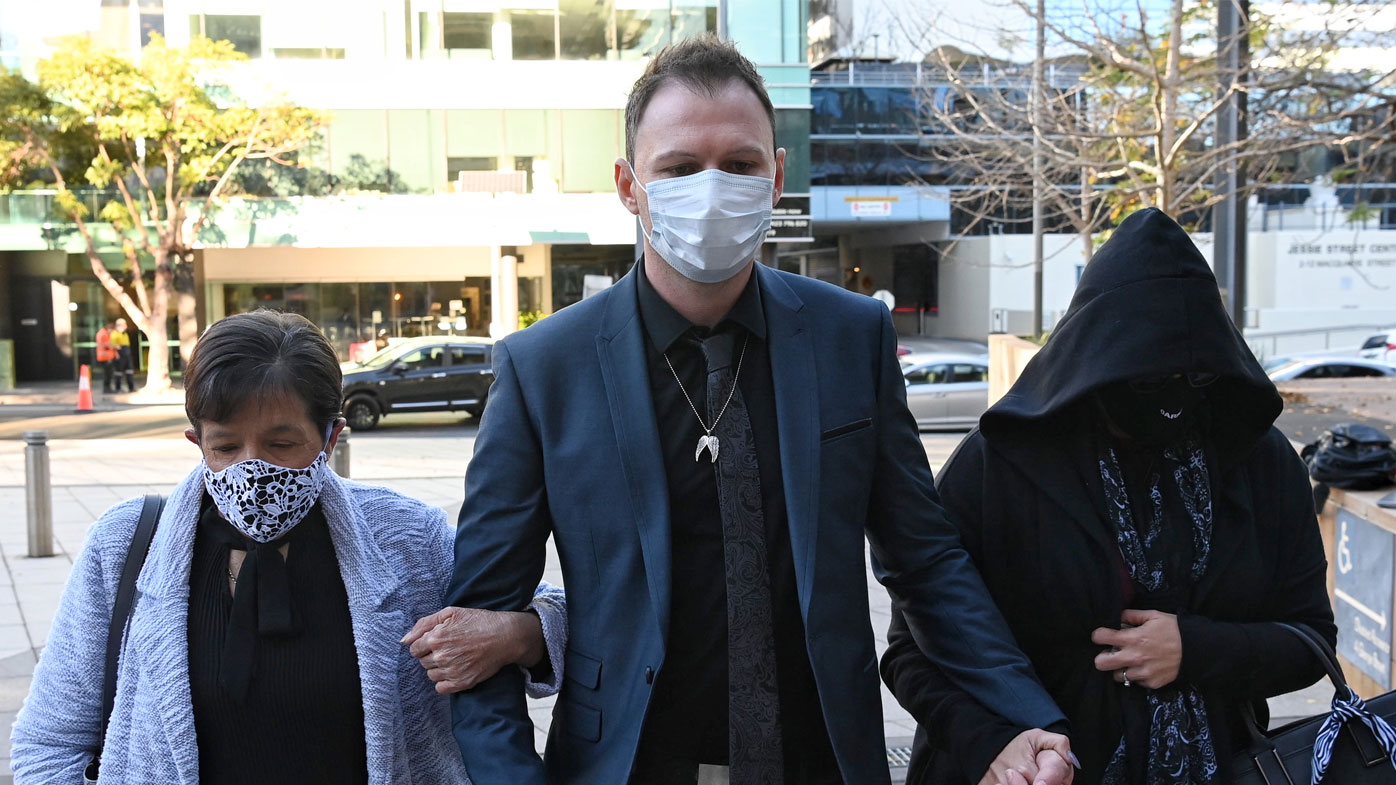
395, 556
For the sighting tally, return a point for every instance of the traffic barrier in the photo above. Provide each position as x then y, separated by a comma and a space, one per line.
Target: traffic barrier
38, 493
84, 389
339, 459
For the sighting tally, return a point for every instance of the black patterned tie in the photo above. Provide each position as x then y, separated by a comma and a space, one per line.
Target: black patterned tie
754, 740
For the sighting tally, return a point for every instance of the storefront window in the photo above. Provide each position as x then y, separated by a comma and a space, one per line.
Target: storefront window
573, 263
359, 318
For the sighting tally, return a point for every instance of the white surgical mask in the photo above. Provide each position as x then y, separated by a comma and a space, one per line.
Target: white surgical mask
710, 224
263, 500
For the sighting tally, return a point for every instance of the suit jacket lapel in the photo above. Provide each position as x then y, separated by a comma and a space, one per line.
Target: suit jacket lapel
620, 348
797, 419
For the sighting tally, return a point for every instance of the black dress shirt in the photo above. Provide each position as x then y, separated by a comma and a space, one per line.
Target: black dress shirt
687, 718
303, 719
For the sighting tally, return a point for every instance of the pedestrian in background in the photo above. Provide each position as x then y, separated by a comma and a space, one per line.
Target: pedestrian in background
106, 355
125, 362
265, 643
1141, 523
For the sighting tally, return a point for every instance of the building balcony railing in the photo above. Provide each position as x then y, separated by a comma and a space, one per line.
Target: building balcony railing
924, 76
487, 212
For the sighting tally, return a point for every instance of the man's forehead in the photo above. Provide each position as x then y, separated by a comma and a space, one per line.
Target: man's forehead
676, 104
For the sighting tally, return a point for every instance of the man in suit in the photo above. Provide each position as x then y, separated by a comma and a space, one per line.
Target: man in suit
708, 441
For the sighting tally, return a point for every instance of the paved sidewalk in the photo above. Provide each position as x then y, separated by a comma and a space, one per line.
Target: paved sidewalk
91, 475
66, 394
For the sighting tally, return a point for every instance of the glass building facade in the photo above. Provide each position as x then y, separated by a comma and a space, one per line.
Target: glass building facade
519, 103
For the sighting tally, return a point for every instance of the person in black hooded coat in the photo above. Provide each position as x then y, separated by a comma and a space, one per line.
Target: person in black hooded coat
1132, 478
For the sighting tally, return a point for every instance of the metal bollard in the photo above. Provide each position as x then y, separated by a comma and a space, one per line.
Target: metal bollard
339, 459
38, 493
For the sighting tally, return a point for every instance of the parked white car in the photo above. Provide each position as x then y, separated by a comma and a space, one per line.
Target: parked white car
1380, 347
946, 390
1330, 368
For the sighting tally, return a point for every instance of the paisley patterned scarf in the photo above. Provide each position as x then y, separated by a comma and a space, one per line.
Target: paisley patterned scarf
1180, 750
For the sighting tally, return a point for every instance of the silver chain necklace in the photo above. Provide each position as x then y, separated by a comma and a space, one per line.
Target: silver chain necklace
707, 441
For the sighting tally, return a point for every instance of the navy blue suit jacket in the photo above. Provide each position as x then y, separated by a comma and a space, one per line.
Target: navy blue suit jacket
569, 447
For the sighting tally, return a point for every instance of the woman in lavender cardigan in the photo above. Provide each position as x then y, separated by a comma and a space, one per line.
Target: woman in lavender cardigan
265, 642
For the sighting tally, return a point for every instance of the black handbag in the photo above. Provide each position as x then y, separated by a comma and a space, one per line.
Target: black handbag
121, 613
1351, 456
1353, 745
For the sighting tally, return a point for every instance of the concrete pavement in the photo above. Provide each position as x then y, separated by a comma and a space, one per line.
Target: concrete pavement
425, 458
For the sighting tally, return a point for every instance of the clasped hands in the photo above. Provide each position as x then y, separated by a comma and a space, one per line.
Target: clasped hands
1034, 757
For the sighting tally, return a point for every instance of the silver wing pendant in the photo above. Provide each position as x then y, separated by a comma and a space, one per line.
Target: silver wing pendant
708, 443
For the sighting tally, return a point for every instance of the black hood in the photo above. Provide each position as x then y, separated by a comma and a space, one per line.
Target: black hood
1147, 305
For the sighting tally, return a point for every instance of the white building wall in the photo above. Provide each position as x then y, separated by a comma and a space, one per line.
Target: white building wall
1323, 291
964, 293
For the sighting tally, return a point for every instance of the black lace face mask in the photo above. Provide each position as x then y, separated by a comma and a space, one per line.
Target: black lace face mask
1154, 411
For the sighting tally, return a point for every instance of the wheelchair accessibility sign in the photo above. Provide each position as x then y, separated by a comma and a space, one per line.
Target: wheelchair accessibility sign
1365, 555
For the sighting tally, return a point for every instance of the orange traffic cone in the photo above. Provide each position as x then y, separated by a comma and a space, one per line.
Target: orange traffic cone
84, 389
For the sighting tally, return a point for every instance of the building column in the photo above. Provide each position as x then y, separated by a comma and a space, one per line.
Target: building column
504, 293
848, 258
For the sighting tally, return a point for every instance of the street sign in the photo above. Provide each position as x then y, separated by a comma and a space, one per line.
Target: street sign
790, 220
1365, 556
870, 206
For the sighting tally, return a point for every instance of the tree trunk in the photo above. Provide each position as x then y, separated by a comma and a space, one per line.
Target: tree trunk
186, 306
1087, 225
1168, 121
157, 378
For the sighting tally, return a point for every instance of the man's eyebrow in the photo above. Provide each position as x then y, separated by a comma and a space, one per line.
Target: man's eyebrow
677, 153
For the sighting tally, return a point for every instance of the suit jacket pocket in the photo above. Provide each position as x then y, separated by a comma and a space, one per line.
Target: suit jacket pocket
582, 721
582, 668
844, 430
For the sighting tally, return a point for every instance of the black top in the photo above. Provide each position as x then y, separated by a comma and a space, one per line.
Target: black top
302, 720
687, 717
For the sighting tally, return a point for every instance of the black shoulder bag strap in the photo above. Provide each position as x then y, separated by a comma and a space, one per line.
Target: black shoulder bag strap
121, 612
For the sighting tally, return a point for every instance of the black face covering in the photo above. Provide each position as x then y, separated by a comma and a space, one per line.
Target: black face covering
1155, 411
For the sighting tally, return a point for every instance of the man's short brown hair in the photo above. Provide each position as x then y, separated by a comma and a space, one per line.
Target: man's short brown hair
704, 65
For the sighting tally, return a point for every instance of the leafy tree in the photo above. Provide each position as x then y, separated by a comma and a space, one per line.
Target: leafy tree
161, 138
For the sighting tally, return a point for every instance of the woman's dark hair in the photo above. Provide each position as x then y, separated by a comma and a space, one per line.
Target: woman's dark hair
255, 355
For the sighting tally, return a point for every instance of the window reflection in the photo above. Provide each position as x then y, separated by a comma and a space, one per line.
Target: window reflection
244, 32
571, 30
585, 29
640, 32
534, 34
465, 31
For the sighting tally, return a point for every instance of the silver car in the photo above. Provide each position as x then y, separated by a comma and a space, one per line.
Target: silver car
945, 390
1329, 368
